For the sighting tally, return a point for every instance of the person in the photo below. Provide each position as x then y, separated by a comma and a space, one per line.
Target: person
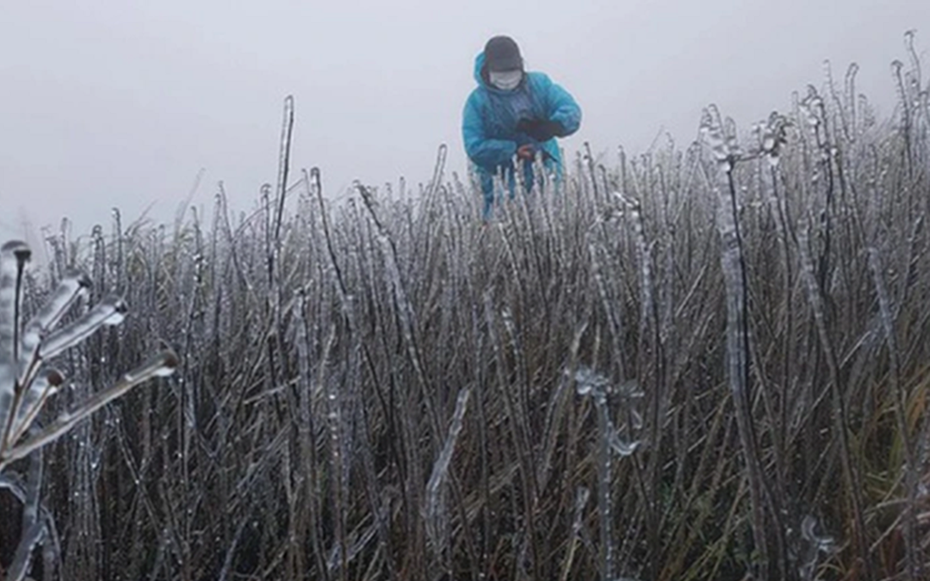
514, 114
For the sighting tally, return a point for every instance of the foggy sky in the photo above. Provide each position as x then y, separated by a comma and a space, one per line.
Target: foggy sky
122, 103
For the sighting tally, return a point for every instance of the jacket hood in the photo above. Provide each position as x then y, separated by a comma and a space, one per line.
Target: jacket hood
479, 67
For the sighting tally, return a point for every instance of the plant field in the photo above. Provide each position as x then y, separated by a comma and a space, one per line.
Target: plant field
699, 363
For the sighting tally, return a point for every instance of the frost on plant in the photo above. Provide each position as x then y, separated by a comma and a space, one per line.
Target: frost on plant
774, 137
27, 381
815, 544
436, 524
593, 384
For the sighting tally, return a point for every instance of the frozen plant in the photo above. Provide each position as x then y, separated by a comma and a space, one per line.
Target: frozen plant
815, 544
27, 382
592, 384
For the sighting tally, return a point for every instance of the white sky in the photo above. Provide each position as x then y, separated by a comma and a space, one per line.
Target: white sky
121, 103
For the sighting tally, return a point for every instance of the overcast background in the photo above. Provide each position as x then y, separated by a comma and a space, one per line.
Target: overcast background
122, 103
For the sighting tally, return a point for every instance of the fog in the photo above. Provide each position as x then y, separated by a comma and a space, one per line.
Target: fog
126, 104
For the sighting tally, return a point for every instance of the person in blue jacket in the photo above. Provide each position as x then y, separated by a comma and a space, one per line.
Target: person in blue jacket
514, 114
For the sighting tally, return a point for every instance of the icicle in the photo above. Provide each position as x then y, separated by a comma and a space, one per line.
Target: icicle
912, 54
774, 137
841, 119
712, 132
613, 314
161, 364
732, 140
110, 311
72, 287
866, 111
851, 100
435, 512
13, 257
33, 526
40, 389
896, 72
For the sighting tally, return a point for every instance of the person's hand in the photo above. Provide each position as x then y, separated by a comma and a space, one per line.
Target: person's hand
526, 152
524, 125
540, 129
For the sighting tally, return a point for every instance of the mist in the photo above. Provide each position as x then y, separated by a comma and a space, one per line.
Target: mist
143, 106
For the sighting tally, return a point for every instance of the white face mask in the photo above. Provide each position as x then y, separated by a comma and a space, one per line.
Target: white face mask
505, 80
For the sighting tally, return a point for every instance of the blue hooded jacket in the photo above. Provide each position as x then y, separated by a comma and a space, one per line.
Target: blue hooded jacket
491, 116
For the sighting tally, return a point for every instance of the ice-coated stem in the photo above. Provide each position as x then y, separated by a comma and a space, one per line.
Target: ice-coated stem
109, 311
732, 264
13, 258
33, 527
839, 411
284, 163
603, 490
434, 504
40, 388
590, 383
160, 365
912, 470
74, 285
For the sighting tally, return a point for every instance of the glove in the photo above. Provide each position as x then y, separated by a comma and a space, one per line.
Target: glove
526, 152
540, 129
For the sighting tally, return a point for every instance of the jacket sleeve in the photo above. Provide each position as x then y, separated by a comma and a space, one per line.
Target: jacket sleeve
561, 106
484, 151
